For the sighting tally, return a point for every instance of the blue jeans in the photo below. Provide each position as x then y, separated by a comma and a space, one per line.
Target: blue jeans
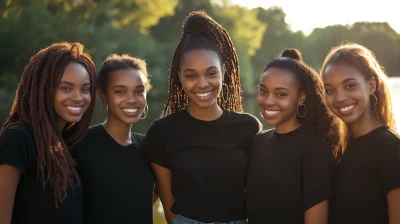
183, 220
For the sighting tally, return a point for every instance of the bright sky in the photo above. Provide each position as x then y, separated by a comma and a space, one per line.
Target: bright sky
306, 15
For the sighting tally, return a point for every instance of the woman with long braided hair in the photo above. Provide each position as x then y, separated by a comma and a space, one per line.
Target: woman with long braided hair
199, 148
52, 110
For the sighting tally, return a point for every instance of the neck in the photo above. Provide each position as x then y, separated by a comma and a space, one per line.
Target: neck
119, 131
364, 124
210, 113
288, 126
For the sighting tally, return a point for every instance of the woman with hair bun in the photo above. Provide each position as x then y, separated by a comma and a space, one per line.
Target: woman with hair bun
289, 177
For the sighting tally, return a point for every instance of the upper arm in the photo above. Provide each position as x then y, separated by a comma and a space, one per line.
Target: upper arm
393, 199
155, 147
9, 179
389, 165
318, 214
163, 179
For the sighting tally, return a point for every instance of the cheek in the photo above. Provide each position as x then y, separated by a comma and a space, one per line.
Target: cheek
260, 100
329, 101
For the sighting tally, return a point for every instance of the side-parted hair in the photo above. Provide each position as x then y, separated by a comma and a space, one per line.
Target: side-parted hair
364, 60
33, 106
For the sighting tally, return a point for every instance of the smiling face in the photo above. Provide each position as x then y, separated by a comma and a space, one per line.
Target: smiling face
201, 76
125, 95
72, 96
278, 99
347, 92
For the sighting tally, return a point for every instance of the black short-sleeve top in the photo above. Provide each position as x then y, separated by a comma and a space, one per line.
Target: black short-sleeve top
288, 174
208, 161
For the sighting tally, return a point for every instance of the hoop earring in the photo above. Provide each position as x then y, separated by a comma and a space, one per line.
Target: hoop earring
376, 100
178, 94
227, 93
305, 111
145, 112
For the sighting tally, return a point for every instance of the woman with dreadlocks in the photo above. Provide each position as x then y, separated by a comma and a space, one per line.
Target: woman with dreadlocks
52, 110
199, 148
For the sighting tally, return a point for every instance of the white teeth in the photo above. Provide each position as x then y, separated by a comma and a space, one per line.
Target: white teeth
129, 110
344, 109
203, 94
271, 112
74, 108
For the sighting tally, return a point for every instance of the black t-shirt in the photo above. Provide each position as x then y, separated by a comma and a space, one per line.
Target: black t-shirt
118, 183
369, 169
208, 161
32, 203
288, 174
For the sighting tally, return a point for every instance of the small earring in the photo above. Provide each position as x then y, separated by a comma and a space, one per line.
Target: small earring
227, 93
145, 112
305, 111
376, 100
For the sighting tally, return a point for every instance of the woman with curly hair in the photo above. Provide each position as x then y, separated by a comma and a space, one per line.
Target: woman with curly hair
289, 177
52, 110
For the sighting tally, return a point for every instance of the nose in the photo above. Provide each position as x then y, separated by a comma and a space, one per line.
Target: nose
341, 96
269, 100
131, 99
202, 82
77, 96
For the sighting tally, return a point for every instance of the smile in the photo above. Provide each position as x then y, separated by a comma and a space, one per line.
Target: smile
347, 108
271, 112
203, 94
129, 110
75, 109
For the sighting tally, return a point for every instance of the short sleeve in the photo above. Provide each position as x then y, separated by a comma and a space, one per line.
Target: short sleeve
389, 165
318, 162
13, 150
155, 147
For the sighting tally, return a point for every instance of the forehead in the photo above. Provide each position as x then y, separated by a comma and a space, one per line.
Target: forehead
276, 77
339, 72
127, 77
75, 73
200, 59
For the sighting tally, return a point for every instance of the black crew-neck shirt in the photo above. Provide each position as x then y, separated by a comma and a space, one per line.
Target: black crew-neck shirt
368, 171
118, 183
32, 203
208, 161
288, 174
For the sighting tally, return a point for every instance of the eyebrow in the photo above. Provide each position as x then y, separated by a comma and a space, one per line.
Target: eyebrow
72, 84
279, 88
344, 81
349, 79
122, 86
192, 70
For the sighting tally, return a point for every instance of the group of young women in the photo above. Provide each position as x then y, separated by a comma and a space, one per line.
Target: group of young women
333, 155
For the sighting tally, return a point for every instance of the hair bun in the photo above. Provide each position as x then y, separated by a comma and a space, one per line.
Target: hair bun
292, 53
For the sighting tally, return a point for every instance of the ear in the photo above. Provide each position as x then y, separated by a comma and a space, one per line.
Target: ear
372, 85
302, 98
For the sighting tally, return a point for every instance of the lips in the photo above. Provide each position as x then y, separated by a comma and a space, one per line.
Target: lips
346, 109
130, 112
75, 110
203, 95
271, 113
